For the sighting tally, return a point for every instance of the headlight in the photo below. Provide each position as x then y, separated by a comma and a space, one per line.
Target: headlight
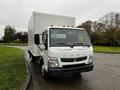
90, 59
53, 62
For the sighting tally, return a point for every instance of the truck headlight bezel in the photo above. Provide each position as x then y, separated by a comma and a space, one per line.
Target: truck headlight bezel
90, 59
53, 62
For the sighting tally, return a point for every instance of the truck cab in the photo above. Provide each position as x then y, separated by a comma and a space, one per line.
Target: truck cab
65, 50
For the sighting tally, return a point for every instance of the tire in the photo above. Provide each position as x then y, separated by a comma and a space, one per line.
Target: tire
30, 55
44, 72
39, 61
33, 59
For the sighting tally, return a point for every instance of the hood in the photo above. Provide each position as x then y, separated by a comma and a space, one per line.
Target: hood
67, 52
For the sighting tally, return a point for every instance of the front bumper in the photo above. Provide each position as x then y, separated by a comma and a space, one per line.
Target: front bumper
62, 71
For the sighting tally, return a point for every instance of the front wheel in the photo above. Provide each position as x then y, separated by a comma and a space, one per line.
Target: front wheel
44, 72
33, 59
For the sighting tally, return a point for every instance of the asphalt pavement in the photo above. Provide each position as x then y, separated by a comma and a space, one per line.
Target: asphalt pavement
105, 76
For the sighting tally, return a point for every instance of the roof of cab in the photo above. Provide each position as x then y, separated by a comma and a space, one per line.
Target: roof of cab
66, 27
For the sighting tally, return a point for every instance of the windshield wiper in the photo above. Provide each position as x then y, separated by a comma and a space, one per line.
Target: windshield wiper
73, 44
83, 44
60, 43
66, 44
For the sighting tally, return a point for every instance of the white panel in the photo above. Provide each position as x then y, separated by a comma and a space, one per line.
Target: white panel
43, 21
30, 34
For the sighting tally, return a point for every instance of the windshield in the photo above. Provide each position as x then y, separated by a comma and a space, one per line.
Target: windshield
68, 37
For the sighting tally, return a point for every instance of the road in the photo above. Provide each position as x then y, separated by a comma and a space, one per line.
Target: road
105, 76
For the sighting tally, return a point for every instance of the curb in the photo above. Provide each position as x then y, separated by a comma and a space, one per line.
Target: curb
26, 85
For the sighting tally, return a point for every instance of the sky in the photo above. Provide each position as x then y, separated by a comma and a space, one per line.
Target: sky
17, 12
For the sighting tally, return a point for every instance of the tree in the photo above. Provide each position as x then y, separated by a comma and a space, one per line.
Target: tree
9, 34
105, 31
118, 37
98, 27
21, 37
112, 19
86, 25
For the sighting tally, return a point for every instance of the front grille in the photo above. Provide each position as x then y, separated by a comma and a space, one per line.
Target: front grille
67, 59
73, 66
81, 58
73, 59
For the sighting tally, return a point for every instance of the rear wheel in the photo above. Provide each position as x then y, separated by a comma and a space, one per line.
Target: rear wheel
32, 58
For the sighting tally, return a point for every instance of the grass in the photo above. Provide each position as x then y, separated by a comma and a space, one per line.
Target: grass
103, 49
12, 68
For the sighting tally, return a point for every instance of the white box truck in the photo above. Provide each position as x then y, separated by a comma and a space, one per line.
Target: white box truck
59, 47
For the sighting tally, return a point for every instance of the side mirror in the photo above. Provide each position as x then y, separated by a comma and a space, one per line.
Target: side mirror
46, 46
36, 39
